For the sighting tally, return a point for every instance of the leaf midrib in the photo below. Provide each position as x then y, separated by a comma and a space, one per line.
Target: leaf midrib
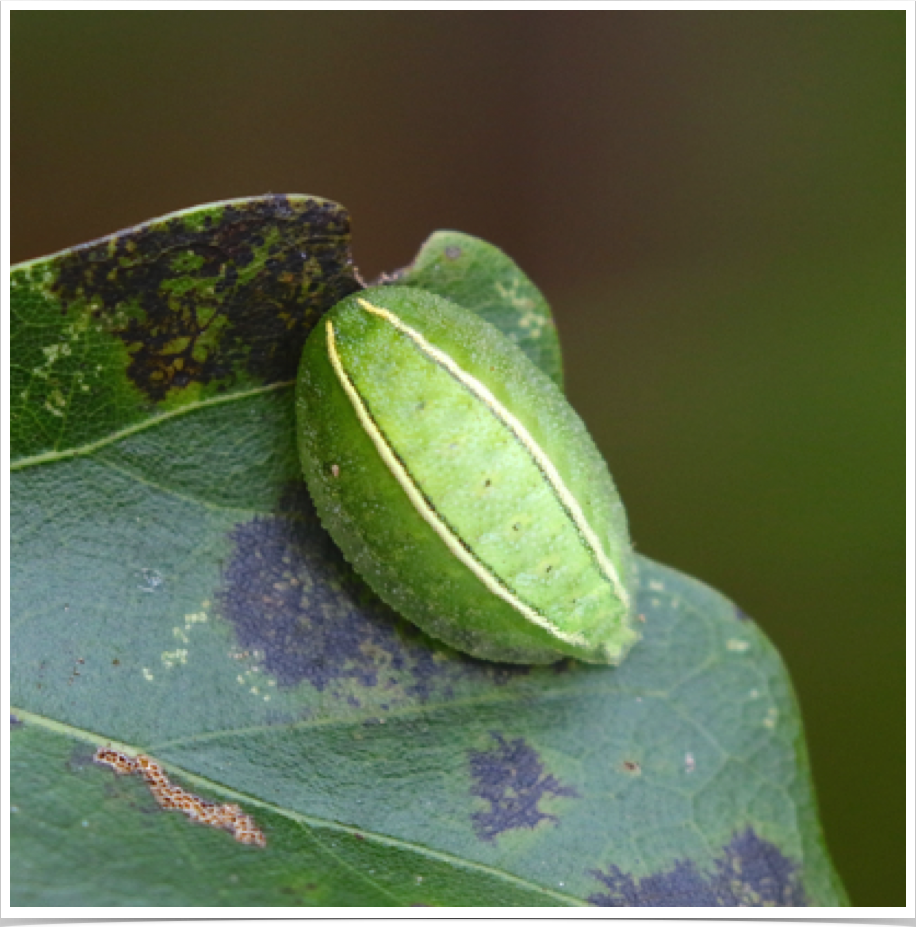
308, 821
84, 450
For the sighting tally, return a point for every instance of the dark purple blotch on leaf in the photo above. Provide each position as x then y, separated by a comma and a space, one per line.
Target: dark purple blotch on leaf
512, 780
750, 873
295, 601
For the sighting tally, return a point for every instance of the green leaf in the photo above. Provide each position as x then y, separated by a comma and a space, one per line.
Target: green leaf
480, 277
174, 594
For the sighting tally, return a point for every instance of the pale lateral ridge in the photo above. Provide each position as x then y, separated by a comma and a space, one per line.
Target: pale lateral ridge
567, 499
428, 513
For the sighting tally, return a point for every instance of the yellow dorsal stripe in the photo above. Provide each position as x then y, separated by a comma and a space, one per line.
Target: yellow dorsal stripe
566, 498
429, 514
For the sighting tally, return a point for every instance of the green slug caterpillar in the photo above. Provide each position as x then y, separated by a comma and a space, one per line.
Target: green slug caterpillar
460, 483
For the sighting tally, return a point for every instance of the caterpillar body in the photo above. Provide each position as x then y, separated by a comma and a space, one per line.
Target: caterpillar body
460, 483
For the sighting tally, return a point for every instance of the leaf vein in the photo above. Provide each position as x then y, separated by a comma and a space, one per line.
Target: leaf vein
308, 821
86, 449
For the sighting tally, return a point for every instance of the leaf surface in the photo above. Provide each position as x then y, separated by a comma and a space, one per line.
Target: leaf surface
174, 594
480, 277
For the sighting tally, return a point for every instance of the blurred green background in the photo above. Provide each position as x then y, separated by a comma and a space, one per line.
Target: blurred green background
712, 202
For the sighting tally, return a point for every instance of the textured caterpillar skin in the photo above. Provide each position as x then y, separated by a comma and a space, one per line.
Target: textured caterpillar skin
460, 484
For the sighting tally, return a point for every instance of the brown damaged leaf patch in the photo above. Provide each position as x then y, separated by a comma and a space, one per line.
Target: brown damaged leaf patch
200, 299
171, 797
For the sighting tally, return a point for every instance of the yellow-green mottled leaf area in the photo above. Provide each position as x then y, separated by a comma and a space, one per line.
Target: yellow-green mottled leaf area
194, 307
173, 593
